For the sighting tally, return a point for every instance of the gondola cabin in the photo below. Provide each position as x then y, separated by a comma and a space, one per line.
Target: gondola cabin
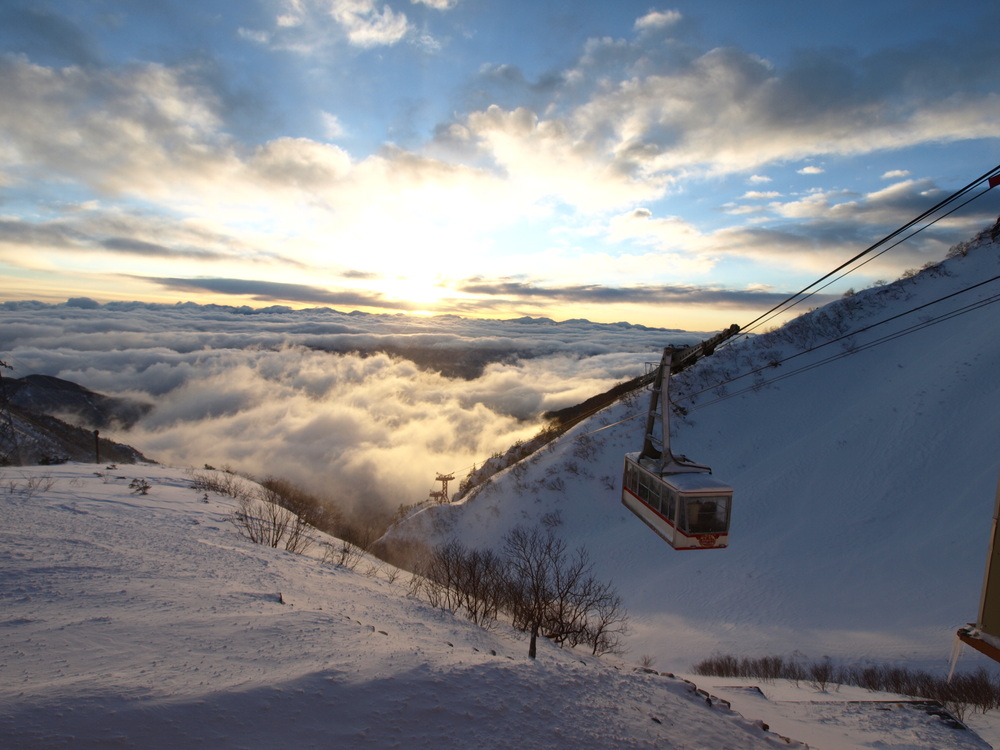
689, 510
678, 499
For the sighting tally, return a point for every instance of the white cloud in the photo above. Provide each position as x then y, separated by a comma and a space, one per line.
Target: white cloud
254, 35
658, 20
437, 4
332, 127
310, 27
367, 25
552, 158
622, 129
896, 174
811, 170
679, 244
260, 394
301, 162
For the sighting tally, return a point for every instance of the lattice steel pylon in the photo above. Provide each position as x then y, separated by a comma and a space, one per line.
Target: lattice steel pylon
9, 453
441, 495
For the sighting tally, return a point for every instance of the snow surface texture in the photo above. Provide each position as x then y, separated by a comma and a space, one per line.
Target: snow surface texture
864, 495
144, 621
864, 489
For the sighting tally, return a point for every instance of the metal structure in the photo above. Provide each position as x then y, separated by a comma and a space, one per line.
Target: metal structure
441, 495
984, 634
677, 498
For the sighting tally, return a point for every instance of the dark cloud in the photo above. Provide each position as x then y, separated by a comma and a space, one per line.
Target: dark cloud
275, 291
54, 234
639, 295
86, 231
361, 275
43, 35
141, 247
830, 227
84, 303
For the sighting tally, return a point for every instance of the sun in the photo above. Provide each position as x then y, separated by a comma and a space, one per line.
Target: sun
424, 292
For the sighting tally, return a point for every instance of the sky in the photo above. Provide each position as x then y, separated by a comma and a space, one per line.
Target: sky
682, 165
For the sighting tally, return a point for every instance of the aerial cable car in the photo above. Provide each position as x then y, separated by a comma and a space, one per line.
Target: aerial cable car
678, 499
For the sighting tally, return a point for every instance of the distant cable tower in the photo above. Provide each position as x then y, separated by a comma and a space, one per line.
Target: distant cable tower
9, 454
442, 495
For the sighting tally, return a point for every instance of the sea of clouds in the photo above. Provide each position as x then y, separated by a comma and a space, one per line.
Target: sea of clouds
334, 401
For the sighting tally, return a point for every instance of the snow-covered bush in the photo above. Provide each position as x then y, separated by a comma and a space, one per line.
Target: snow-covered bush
264, 522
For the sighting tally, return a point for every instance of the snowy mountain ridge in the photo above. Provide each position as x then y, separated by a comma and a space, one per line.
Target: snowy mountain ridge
864, 490
145, 621
864, 483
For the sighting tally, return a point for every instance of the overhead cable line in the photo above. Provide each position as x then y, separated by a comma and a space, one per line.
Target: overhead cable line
844, 336
870, 259
972, 306
790, 301
991, 176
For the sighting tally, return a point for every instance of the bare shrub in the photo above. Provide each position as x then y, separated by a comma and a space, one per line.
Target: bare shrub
585, 447
463, 580
343, 554
553, 592
262, 521
40, 483
226, 483
607, 626
552, 519
542, 588
392, 573
481, 583
140, 486
977, 691
556, 484
310, 508
31, 484
298, 537
821, 673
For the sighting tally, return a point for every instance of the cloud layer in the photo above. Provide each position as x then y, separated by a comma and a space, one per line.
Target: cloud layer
313, 396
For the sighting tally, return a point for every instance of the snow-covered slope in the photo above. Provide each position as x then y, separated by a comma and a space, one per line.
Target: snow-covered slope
864, 487
865, 490
144, 621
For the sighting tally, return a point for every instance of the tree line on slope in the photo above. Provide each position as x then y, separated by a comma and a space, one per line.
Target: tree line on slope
541, 587
977, 690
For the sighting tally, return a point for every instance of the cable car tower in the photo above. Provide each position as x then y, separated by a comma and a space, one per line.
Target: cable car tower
441, 495
677, 498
